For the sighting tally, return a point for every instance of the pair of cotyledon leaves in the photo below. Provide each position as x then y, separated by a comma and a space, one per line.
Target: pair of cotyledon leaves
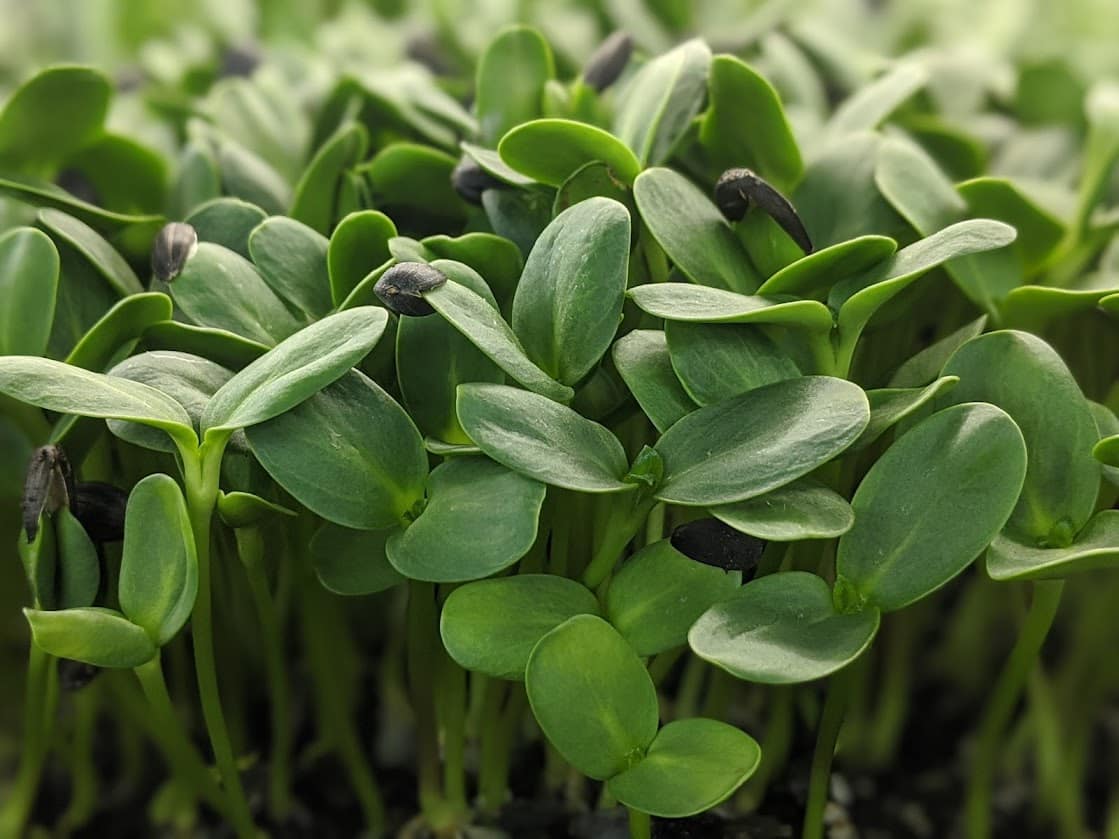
156, 588
965, 465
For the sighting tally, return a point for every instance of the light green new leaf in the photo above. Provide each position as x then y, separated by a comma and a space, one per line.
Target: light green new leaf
100, 637
509, 83
645, 366
759, 441
491, 626
542, 439
660, 100
296, 369
352, 562
568, 304
702, 304
551, 150
658, 594
692, 232
159, 566
691, 766
592, 696
1026, 378
481, 323
782, 629
349, 453
71, 390
803, 509
929, 506
745, 124
292, 259
1095, 547
28, 289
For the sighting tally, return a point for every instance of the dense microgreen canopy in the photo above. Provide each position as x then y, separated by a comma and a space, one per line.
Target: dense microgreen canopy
486, 405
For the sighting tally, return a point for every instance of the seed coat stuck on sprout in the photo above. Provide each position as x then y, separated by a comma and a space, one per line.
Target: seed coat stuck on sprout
608, 61
713, 542
470, 180
401, 288
48, 486
172, 247
736, 189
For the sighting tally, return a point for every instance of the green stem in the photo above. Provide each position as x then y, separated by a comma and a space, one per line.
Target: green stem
201, 473
250, 547
1000, 708
421, 638
335, 714
451, 698
36, 727
640, 824
492, 778
831, 721
181, 754
622, 524
776, 743
83, 771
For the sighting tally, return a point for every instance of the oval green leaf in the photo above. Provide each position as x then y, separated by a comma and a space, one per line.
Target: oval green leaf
29, 289
568, 304
100, 637
757, 442
692, 232
804, 509
349, 453
491, 626
592, 696
542, 439
551, 150
296, 369
159, 566
782, 629
658, 594
492, 512
930, 505
692, 765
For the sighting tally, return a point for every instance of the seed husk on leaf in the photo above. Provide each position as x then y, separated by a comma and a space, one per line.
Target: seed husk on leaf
172, 247
712, 542
401, 288
737, 189
49, 485
608, 61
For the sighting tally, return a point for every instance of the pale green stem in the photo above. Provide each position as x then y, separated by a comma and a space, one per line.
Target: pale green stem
181, 754
250, 546
37, 718
201, 473
827, 736
1000, 708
